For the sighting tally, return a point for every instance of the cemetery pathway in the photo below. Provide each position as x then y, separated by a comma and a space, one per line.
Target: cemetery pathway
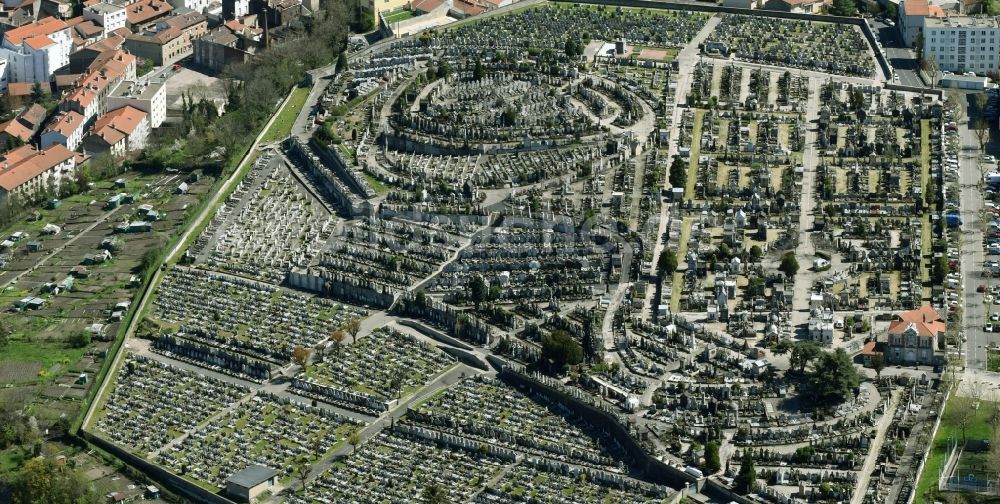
386, 419
807, 205
100, 220
686, 59
874, 450
454, 256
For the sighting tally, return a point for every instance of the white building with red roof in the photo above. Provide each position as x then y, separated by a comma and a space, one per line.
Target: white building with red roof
915, 336
66, 129
24, 172
120, 131
36, 50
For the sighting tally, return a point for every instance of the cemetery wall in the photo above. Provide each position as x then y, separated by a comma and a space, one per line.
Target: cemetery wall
433, 333
716, 488
702, 7
655, 470
466, 358
161, 475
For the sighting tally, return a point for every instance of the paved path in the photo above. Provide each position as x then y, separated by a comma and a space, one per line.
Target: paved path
805, 251
687, 58
861, 488
971, 249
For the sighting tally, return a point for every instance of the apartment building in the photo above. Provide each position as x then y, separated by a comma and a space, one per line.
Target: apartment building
963, 43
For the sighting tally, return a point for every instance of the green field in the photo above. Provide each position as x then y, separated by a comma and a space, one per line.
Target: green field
282, 125
979, 428
397, 16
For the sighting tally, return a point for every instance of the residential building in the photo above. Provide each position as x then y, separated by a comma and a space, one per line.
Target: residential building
84, 32
66, 129
234, 9
160, 46
109, 16
81, 60
145, 13
120, 131
106, 72
149, 97
3, 75
218, 49
34, 51
198, 6
796, 6
25, 172
963, 43
193, 24
914, 337
911, 16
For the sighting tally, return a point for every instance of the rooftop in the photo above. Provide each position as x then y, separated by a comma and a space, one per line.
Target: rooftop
25, 163
42, 27
961, 22
252, 476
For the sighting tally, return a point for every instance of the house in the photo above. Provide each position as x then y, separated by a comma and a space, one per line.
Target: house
35, 51
24, 126
195, 6
82, 61
149, 97
246, 485
120, 131
25, 172
65, 128
914, 337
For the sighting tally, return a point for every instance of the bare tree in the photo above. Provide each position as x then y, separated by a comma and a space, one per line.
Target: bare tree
300, 356
338, 339
932, 69
353, 327
354, 440
959, 412
304, 470
981, 125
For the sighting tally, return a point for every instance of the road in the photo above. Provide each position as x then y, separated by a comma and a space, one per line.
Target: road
902, 58
970, 176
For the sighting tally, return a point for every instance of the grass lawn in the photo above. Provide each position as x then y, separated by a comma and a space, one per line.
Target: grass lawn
11, 459
979, 428
282, 125
377, 185
47, 353
692, 176
993, 361
397, 16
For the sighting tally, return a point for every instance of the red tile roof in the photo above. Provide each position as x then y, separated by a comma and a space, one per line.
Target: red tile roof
925, 320
124, 120
23, 164
65, 123
145, 10
46, 26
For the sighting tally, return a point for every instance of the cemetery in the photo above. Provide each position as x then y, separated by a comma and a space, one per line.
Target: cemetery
564, 253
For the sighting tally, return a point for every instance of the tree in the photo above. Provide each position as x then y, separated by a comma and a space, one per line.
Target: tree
959, 413
783, 346
338, 338
678, 172
712, 461
789, 265
303, 470
667, 263
756, 253
804, 352
41, 480
342, 64
561, 349
843, 8
878, 364
353, 327
940, 270
37, 93
300, 356
833, 378
478, 290
434, 494
930, 66
354, 440
746, 479
79, 339
478, 72
981, 124
919, 45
